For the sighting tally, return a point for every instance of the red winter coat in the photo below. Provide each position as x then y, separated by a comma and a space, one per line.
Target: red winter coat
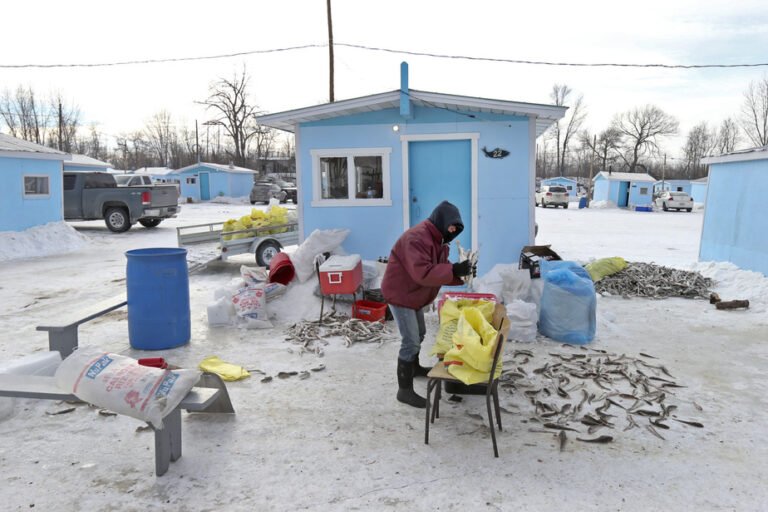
417, 268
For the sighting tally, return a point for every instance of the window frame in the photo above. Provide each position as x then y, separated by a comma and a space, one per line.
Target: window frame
350, 154
25, 195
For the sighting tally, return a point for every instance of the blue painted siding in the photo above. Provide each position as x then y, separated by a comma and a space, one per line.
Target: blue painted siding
674, 185
601, 190
615, 192
504, 201
699, 192
17, 212
220, 183
734, 220
640, 194
573, 191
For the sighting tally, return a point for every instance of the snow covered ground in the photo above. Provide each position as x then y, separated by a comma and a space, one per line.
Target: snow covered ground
340, 441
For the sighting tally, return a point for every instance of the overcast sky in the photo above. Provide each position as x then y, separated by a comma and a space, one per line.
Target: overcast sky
122, 98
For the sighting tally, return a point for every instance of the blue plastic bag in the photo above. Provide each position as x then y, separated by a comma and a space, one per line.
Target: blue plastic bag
568, 303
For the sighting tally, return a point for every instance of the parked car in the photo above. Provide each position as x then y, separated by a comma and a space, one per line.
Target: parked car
263, 191
668, 200
289, 188
133, 180
552, 195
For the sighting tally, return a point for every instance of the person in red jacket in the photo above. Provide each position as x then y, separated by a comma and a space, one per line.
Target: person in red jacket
418, 266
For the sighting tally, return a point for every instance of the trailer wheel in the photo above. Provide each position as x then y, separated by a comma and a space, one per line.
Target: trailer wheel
267, 250
150, 223
117, 220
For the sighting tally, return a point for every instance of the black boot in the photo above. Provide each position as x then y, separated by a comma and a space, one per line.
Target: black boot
405, 391
418, 370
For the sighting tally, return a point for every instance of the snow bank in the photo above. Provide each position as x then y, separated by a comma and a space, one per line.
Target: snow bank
230, 200
602, 204
52, 238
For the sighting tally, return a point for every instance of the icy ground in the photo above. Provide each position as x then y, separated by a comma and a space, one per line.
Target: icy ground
340, 441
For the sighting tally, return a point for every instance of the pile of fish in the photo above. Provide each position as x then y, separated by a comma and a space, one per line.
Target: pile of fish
594, 392
312, 335
655, 282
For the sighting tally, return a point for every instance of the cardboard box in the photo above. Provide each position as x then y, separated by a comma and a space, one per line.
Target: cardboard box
531, 256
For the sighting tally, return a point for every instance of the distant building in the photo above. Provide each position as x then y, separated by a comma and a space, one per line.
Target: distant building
32, 191
699, 190
735, 223
158, 174
379, 164
85, 163
673, 186
204, 181
624, 189
570, 185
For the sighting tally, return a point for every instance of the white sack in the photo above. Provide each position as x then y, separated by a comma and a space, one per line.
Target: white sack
523, 317
516, 285
318, 242
221, 312
122, 385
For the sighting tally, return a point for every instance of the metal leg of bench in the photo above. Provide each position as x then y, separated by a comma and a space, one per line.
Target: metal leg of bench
64, 339
168, 442
222, 404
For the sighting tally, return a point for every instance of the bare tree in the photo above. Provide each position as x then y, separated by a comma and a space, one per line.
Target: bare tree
641, 129
754, 112
699, 143
159, 136
565, 129
228, 99
66, 121
606, 146
25, 117
727, 137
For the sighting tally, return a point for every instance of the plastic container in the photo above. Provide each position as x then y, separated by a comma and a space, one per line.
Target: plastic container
341, 274
281, 269
583, 202
568, 305
369, 310
643, 209
157, 284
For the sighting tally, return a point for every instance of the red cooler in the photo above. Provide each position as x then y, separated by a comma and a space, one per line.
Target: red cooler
341, 275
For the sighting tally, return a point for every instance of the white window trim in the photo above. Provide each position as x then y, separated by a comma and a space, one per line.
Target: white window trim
35, 196
349, 154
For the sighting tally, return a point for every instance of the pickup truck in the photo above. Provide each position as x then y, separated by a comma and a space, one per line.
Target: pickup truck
132, 180
95, 195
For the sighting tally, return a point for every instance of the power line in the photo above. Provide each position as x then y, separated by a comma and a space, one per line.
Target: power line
386, 50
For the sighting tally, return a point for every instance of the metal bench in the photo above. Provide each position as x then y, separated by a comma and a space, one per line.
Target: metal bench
207, 397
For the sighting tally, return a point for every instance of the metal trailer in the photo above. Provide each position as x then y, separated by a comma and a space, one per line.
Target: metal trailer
264, 242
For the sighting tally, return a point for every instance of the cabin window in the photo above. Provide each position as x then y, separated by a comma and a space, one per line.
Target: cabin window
37, 186
643, 190
191, 181
351, 177
569, 187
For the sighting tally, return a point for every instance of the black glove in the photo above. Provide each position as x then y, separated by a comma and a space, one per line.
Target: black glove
462, 269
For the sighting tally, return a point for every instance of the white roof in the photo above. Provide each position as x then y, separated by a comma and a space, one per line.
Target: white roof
545, 115
154, 171
85, 161
11, 146
743, 155
626, 176
220, 167
705, 179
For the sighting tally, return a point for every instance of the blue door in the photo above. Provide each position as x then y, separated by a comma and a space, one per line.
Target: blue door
439, 171
205, 186
623, 194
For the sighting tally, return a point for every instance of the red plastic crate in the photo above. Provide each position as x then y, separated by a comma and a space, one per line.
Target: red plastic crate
341, 275
369, 310
465, 295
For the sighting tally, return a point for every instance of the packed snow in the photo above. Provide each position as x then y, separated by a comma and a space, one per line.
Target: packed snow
339, 440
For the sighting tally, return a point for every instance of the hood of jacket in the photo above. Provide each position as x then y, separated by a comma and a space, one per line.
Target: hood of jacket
446, 214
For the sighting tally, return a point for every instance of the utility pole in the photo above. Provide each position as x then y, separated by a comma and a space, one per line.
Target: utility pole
197, 143
61, 123
330, 47
591, 168
663, 171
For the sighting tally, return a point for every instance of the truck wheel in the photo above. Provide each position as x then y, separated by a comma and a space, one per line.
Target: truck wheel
150, 223
253, 202
117, 220
664, 207
565, 205
267, 250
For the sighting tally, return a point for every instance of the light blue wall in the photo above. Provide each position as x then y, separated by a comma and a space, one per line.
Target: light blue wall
735, 222
573, 192
18, 213
699, 192
504, 200
608, 190
224, 183
673, 185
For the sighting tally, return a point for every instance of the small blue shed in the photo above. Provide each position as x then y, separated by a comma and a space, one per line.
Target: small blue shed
624, 189
85, 163
673, 185
570, 185
203, 181
379, 164
735, 222
699, 190
32, 192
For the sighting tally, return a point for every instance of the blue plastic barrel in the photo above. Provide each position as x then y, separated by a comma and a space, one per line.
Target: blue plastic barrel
157, 283
582, 202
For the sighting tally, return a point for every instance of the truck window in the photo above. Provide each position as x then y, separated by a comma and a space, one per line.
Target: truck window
99, 180
69, 181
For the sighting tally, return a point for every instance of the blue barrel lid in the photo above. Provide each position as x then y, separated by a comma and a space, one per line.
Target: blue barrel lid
157, 251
